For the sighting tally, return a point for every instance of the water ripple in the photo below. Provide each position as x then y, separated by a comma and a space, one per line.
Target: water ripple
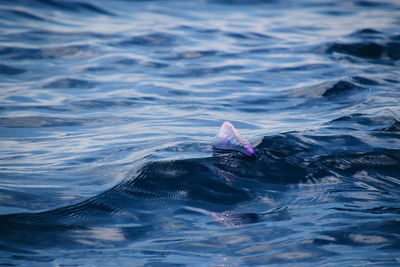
108, 110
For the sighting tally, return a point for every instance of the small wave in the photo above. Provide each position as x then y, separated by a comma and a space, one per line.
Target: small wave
38, 122
342, 91
243, 2
367, 49
76, 6
340, 88
41, 35
367, 33
364, 81
8, 70
372, 4
361, 121
248, 35
395, 127
24, 14
21, 53
195, 54
364, 49
107, 103
198, 72
306, 67
68, 83
99, 104
152, 39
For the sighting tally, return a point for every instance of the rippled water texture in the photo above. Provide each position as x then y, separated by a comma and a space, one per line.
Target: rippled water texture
108, 110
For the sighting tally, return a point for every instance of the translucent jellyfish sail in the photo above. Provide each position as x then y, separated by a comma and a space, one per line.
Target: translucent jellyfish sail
229, 139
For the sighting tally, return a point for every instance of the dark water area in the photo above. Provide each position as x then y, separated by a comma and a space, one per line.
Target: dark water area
108, 110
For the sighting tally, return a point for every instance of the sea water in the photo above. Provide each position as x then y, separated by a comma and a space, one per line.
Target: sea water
108, 110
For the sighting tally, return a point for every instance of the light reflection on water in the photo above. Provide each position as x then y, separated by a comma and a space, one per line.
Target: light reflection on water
108, 110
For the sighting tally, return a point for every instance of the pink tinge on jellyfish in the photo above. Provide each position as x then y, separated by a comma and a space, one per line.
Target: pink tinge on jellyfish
228, 138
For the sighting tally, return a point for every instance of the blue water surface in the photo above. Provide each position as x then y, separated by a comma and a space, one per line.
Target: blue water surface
108, 110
